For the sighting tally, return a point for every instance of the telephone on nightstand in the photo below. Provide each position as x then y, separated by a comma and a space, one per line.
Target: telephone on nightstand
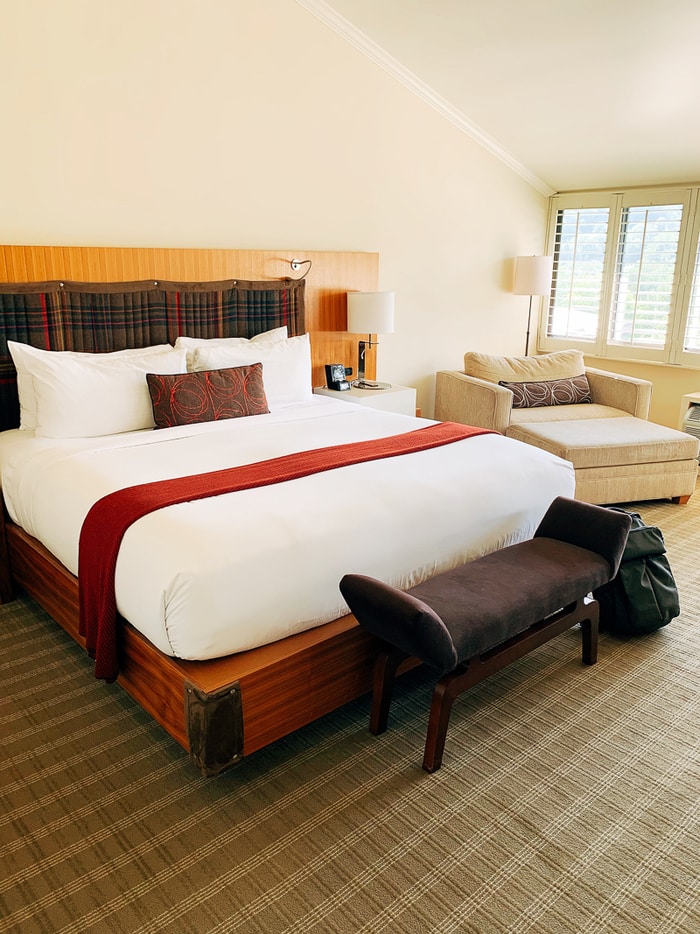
335, 376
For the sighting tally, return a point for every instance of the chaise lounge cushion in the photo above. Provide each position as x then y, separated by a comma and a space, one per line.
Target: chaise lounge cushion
608, 442
564, 413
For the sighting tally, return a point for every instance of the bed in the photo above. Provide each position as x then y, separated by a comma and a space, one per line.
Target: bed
278, 649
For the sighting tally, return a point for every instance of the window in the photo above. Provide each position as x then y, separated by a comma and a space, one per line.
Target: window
579, 257
626, 275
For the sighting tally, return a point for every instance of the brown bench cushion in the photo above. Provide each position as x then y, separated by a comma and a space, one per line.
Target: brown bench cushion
463, 612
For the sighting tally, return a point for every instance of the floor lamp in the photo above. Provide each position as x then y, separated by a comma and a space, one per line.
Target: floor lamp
533, 276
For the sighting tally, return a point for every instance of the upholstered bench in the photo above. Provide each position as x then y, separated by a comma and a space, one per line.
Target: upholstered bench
479, 617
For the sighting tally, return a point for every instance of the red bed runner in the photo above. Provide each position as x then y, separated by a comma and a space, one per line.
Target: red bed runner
110, 517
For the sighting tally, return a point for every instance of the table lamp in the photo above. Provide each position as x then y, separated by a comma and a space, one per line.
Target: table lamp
369, 313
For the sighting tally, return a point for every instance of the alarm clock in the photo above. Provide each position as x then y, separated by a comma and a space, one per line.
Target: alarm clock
335, 376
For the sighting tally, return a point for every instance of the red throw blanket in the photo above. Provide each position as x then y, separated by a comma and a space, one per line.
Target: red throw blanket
110, 517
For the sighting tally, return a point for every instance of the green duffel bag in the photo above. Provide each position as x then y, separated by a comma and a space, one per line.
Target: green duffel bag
643, 596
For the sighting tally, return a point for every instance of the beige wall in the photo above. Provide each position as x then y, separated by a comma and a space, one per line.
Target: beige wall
220, 123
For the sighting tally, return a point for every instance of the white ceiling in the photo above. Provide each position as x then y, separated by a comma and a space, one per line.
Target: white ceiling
573, 93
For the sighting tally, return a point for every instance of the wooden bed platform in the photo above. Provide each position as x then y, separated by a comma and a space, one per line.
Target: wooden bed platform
227, 708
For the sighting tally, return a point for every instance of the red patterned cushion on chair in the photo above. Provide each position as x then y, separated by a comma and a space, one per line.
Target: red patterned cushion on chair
209, 395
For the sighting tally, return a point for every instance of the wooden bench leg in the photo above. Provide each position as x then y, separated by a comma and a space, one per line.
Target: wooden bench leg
448, 688
589, 634
385, 669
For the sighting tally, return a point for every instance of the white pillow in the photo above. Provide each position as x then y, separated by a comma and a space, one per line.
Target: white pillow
84, 398
26, 358
286, 366
191, 343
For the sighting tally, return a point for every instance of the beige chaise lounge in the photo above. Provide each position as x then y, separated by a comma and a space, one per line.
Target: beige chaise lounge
595, 419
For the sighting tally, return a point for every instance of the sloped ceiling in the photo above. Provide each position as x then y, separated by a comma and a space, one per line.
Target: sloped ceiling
573, 93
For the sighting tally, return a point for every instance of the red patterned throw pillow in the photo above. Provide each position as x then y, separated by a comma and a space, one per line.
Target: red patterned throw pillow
573, 391
206, 396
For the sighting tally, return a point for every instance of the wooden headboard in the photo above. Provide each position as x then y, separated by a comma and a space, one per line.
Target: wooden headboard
331, 275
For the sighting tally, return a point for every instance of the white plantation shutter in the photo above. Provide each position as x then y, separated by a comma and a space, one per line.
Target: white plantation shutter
577, 276
620, 272
645, 274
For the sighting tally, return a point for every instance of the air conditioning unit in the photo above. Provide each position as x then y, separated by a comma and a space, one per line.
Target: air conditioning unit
691, 420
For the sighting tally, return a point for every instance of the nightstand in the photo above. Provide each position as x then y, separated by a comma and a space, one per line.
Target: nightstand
401, 399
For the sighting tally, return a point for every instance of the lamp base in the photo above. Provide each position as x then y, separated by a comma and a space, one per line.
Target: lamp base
369, 384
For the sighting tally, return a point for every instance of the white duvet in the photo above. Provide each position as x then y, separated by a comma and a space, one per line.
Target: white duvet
220, 575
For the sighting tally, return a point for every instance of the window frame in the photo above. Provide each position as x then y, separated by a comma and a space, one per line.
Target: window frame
688, 243
690, 358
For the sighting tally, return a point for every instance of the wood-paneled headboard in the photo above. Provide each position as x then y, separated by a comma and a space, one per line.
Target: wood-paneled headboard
331, 275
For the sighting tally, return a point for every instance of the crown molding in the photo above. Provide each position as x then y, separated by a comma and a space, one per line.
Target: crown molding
362, 42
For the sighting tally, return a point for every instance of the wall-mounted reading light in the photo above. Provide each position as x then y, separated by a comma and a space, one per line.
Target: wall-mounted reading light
296, 265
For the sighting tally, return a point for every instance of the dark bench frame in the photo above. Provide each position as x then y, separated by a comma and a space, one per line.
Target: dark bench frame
475, 619
476, 669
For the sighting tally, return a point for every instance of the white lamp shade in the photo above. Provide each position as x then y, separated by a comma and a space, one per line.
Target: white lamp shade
533, 275
371, 312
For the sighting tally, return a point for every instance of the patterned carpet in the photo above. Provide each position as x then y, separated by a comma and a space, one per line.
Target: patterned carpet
568, 800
